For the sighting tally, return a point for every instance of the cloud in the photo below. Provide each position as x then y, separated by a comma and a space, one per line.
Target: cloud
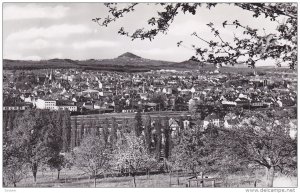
94, 44
54, 31
33, 11
38, 44
20, 57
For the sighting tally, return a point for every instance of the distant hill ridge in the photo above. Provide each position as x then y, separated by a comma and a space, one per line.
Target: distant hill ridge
127, 62
129, 55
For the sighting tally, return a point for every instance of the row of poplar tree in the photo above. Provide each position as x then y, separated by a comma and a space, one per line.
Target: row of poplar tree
156, 133
39, 137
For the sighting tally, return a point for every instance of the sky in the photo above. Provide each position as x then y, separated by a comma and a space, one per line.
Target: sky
38, 31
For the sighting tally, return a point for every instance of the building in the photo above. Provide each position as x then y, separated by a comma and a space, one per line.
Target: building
65, 104
211, 119
45, 104
70, 108
17, 107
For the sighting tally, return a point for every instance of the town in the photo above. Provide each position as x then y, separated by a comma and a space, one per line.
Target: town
202, 97
89, 92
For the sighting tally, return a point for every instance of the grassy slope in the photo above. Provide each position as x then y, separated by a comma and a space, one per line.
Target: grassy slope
75, 178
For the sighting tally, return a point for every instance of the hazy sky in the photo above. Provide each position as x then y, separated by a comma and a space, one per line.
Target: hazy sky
34, 31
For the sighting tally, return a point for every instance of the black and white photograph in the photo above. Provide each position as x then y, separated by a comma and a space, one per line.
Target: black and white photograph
190, 95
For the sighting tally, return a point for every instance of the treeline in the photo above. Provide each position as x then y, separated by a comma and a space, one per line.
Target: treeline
150, 129
59, 120
67, 64
41, 138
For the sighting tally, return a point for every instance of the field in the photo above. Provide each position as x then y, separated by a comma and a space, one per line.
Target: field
75, 178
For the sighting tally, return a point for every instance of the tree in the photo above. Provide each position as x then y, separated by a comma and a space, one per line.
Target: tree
167, 134
10, 121
161, 100
33, 135
158, 138
147, 133
74, 134
187, 153
180, 104
57, 162
92, 156
105, 132
132, 155
113, 133
81, 133
138, 123
253, 45
66, 130
263, 139
14, 164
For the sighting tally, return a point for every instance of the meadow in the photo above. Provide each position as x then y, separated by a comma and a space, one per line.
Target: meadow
76, 179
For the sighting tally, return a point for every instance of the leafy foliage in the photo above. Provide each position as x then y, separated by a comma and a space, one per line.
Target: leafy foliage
147, 133
138, 123
14, 166
34, 141
197, 151
132, 155
92, 156
264, 139
33, 138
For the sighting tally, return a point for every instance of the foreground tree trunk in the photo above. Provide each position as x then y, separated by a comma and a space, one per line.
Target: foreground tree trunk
15, 185
34, 171
170, 180
270, 176
148, 174
178, 177
95, 181
58, 172
134, 183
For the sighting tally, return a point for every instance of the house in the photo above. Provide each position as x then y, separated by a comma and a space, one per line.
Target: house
144, 96
242, 102
63, 105
150, 106
211, 119
88, 105
229, 103
279, 103
19, 106
174, 126
257, 104
45, 104
129, 110
72, 108
186, 124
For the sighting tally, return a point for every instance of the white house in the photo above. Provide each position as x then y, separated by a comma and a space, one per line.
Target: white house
45, 104
213, 119
186, 124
